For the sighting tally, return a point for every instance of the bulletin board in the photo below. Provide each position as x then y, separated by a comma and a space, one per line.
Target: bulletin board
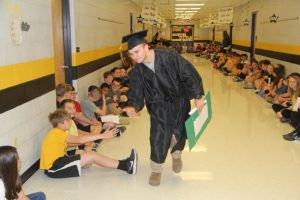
182, 32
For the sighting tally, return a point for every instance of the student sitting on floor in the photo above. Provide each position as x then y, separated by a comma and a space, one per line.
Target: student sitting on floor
283, 111
295, 122
69, 106
10, 181
279, 85
116, 95
108, 77
57, 164
66, 91
259, 83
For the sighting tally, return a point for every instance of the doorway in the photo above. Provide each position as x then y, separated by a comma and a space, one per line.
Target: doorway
58, 41
253, 35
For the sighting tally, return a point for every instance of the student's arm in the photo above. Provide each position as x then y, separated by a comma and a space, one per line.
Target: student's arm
80, 117
81, 139
102, 111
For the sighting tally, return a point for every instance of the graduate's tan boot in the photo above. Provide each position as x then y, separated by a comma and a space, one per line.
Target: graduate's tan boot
177, 165
154, 179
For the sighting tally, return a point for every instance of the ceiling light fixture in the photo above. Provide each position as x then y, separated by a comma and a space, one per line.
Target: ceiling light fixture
191, 4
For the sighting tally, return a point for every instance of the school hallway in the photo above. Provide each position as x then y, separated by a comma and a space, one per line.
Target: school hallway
240, 156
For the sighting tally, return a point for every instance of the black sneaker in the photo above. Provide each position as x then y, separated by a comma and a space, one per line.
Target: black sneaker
121, 130
294, 135
132, 162
96, 145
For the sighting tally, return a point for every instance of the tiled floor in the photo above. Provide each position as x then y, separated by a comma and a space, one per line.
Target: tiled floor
241, 156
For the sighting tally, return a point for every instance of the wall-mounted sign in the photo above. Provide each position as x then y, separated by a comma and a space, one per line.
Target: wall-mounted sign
182, 32
149, 13
213, 18
225, 15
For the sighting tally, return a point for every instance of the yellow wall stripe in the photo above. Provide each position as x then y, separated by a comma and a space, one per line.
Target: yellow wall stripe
241, 42
88, 56
200, 38
15, 74
282, 48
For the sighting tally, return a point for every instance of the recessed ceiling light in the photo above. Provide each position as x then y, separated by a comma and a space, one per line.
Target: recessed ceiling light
187, 8
191, 4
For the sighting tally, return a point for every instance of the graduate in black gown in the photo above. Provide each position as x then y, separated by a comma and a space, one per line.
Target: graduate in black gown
166, 82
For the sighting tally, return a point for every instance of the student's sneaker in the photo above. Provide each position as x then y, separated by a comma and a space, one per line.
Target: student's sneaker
284, 120
261, 93
132, 162
121, 130
248, 86
294, 135
96, 145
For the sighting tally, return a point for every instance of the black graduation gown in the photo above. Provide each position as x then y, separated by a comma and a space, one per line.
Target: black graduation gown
167, 94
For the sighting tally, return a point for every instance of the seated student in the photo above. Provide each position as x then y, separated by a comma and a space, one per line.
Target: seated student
55, 162
108, 77
66, 91
110, 104
115, 93
10, 181
227, 66
63, 91
268, 82
116, 72
236, 68
124, 81
259, 83
278, 86
285, 97
89, 108
69, 106
295, 122
198, 48
284, 111
252, 75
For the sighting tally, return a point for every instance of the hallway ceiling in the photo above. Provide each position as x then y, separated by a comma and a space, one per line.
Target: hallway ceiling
166, 8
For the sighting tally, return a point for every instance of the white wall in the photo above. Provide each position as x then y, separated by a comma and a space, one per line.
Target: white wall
37, 42
94, 78
282, 35
92, 33
24, 126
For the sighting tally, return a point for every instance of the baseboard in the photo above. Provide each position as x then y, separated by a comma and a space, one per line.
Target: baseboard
30, 171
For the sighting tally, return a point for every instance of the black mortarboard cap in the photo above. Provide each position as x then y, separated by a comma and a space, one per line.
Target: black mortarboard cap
135, 39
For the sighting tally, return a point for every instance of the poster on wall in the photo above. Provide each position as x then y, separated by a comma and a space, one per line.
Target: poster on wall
213, 18
149, 13
204, 23
182, 32
225, 15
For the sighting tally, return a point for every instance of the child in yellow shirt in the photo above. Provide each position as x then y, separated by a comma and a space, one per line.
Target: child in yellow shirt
57, 164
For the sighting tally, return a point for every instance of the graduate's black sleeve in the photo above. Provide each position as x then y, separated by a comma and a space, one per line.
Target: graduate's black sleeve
190, 79
136, 91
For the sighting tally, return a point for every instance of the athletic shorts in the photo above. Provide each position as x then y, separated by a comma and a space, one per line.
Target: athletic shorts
65, 167
84, 128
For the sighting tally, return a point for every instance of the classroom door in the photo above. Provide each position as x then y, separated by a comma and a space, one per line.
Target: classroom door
58, 41
253, 35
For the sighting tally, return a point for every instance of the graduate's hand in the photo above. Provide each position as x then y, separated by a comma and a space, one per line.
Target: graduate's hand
109, 133
199, 103
131, 112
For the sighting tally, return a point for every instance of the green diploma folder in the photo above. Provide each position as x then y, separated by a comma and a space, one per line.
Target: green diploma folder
197, 122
